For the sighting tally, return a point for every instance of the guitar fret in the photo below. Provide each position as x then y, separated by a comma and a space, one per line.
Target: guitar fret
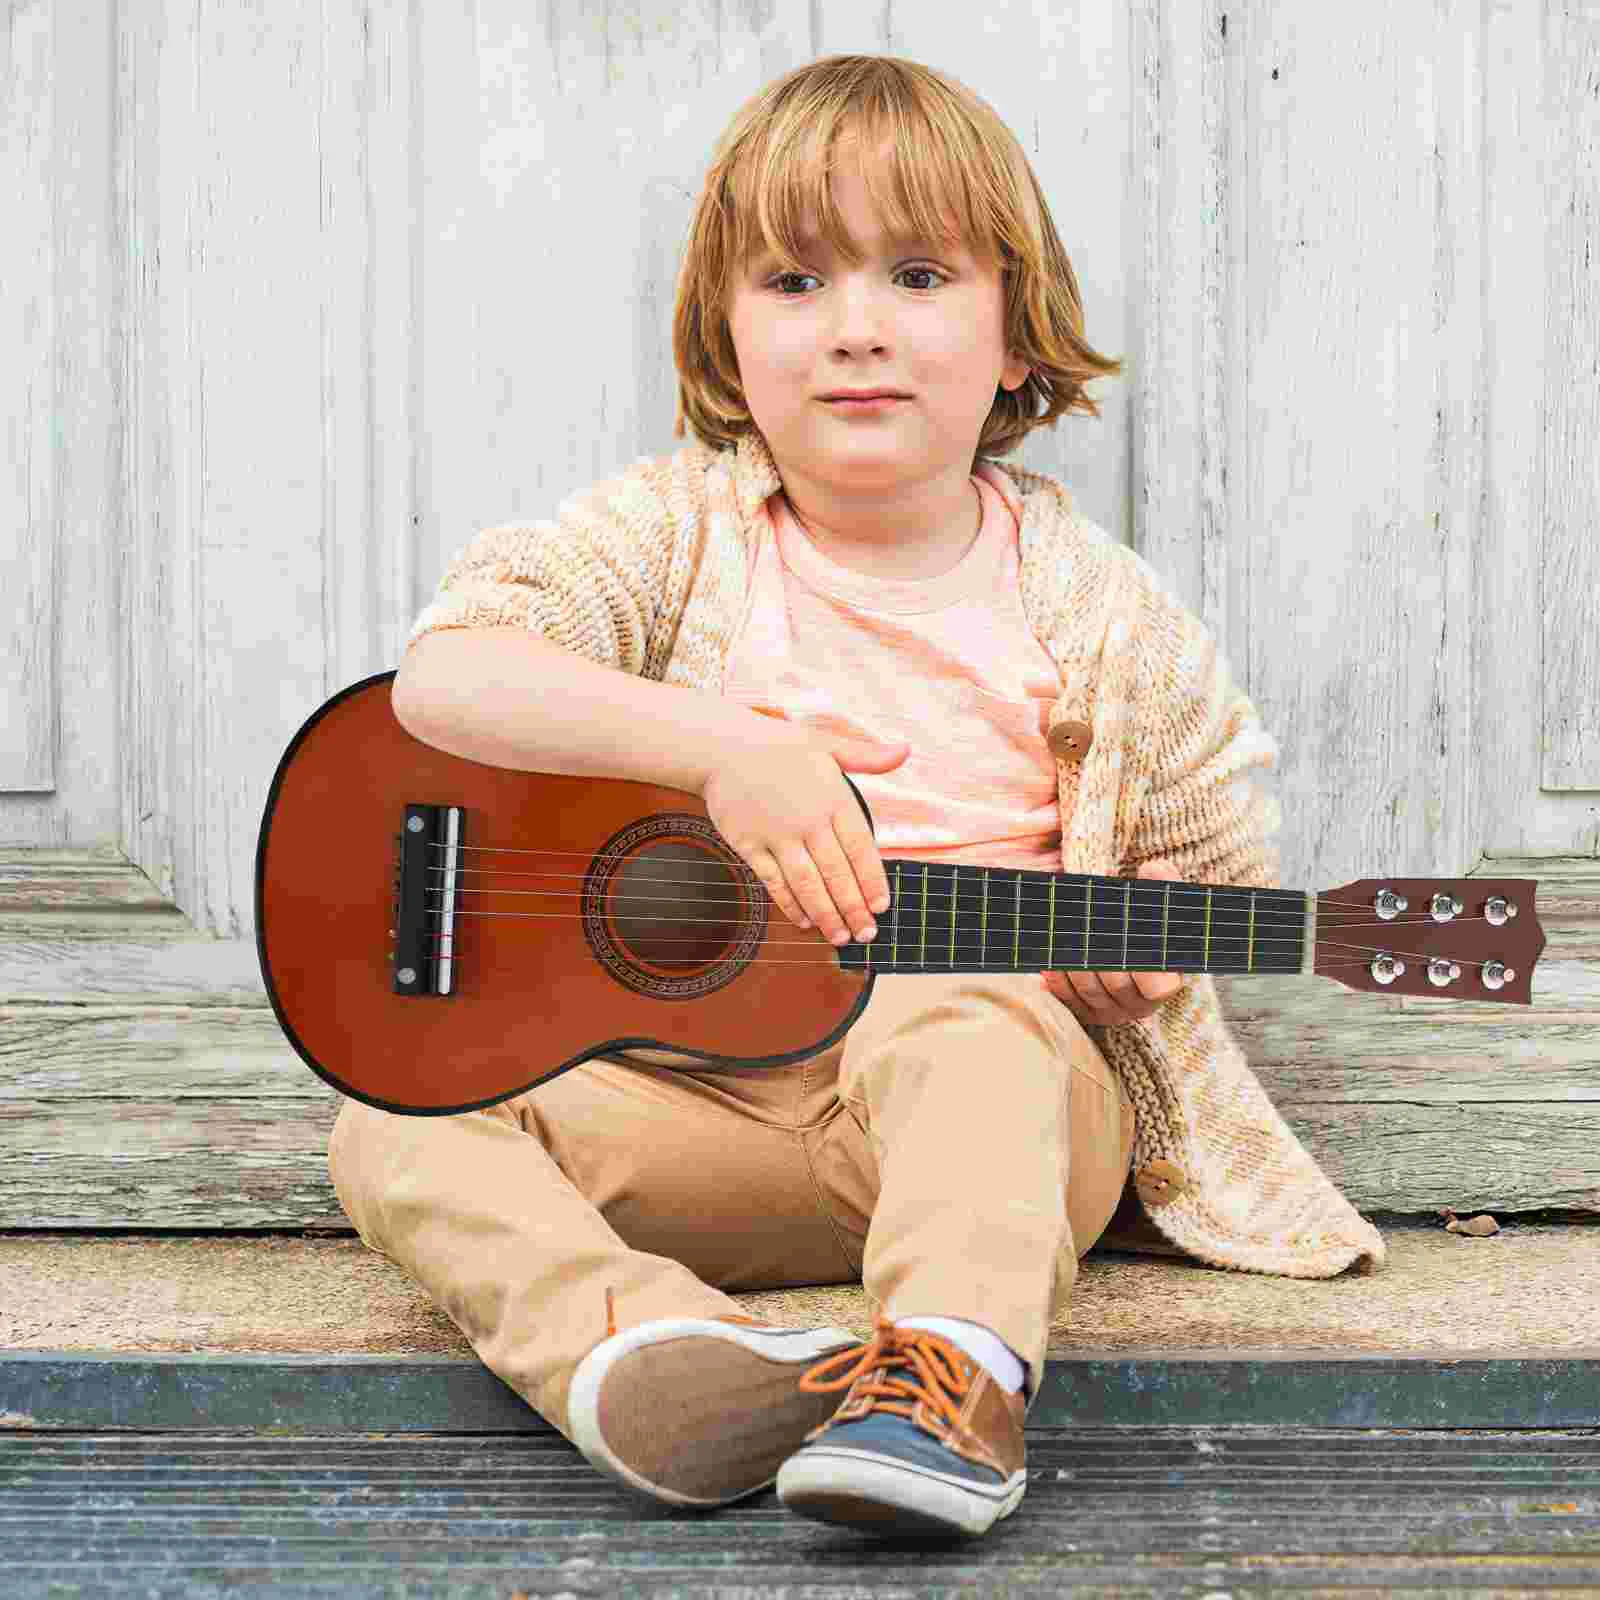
1239, 930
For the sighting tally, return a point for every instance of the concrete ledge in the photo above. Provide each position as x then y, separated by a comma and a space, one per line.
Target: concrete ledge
1533, 1287
441, 1394
269, 1332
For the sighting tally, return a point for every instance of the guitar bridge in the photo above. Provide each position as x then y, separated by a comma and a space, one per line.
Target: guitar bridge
422, 961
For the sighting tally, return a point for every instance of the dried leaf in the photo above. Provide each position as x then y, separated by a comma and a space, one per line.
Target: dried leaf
1481, 1226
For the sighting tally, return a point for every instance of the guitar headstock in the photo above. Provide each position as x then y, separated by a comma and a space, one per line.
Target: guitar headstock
1456, 938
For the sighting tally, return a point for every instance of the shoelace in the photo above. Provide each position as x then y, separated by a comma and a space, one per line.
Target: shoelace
938, 1380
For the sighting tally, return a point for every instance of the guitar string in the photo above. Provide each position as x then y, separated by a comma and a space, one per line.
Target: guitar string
1288, 895
1005, 914
459, 949
1265, 943
1032, 898
1262, 944
1363, 958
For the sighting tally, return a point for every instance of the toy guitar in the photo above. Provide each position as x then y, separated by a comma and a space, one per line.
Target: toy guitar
437, 935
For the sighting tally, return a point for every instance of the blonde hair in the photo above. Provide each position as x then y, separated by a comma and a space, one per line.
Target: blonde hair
946, 148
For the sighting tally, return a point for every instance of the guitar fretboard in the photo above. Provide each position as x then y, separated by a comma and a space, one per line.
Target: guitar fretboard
962, 918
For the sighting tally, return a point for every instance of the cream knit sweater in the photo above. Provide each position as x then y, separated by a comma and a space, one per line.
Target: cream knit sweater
647, 571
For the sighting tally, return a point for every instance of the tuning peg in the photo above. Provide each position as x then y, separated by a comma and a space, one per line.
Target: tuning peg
1497, 910
1385, 968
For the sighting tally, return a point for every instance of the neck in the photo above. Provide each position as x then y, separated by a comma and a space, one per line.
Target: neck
947, 917
870, 555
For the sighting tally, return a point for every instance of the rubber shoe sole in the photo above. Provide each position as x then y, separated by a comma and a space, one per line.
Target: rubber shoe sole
865, 1490
696, 1412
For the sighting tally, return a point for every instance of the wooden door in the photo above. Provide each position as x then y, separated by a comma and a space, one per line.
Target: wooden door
294, 306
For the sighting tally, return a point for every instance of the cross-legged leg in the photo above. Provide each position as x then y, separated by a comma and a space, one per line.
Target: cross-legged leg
664, 1188
1003, 1141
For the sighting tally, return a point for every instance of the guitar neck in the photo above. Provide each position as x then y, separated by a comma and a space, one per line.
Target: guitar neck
952, 917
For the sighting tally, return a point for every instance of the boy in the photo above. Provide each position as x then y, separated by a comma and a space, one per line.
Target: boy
822, 583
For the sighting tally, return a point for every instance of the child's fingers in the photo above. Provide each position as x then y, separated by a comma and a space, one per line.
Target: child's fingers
1088, 997
1157, 986
1105, 998
1160, 867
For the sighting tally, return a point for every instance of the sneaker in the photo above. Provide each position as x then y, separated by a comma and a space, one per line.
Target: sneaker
924, 1442
698, 1411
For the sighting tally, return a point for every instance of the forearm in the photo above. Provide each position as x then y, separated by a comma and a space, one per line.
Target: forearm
508, 698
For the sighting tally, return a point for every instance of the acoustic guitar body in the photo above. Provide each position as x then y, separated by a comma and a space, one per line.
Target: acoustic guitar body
437, 935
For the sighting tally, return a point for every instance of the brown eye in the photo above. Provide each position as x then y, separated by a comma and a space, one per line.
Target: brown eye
782, 277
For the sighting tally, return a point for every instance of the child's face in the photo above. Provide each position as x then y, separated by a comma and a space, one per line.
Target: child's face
937, 335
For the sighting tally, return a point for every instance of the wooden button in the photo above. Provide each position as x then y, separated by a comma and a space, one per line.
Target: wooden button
1070, 741
1160, 1183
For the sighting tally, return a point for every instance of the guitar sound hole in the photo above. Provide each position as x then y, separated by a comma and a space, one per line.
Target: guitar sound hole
675, 905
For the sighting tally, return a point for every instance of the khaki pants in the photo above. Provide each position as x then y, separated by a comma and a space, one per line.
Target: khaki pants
956, 1151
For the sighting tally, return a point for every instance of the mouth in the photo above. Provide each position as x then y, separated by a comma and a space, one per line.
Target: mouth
863, 400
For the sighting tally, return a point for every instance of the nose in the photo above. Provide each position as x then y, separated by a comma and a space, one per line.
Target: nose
859, 315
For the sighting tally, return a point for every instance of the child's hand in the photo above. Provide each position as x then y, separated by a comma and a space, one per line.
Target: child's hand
783, 806
1104, 998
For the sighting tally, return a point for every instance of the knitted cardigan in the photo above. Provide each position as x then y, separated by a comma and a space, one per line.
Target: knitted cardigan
647, 572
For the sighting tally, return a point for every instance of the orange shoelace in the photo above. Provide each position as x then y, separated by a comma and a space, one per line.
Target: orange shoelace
937, 1379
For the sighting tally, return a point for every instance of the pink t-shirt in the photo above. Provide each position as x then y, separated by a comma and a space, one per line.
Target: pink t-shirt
948, 664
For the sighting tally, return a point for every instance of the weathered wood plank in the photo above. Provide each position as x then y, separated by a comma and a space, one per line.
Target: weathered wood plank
161, 961
171, 965
146, 1082
202, 1165
210, 1053
33, 616
264, 1165
132, 1133
1408, 1157
158, 1057
256, 1164
117, 952
1569, 709
1561, 988
72, 929
59, 881
206, 1118
1503, 1066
